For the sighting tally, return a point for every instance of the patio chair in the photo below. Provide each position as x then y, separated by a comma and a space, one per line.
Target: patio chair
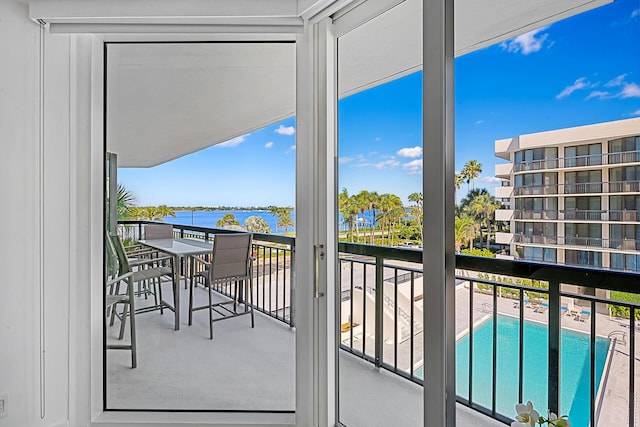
144, 270
158, 231
231, 261
114, 296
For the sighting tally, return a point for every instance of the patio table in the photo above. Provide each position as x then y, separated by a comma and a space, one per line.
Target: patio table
179, 248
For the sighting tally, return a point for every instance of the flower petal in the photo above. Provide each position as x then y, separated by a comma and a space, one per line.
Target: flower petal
522, 409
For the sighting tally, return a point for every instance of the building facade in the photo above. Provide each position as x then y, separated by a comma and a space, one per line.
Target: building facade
572, 196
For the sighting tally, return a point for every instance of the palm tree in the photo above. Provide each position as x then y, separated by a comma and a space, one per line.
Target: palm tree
348, 210
417, 211
483, 208
165, 211
284, 219
126, 201
465, 231
227, 220
373, 200
471, 171
362, 204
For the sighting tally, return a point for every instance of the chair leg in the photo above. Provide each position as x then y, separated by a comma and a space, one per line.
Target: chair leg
191, 300
160, 295
124, 321
210, 314
250, 286
132, 325
154, 284
113, 307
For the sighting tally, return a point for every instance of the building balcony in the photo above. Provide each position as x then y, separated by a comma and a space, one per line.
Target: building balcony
579, 241
504, 192
612, 187
586, 215
504, 238
504, 170
504, 214
586, 161
384, 287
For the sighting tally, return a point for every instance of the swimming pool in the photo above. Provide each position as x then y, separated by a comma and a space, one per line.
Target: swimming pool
575, 367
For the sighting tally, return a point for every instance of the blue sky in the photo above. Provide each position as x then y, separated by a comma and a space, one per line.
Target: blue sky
583, 70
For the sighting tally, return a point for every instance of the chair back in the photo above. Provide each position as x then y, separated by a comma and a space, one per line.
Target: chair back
110, 257
121, 255
231, 256
158, 231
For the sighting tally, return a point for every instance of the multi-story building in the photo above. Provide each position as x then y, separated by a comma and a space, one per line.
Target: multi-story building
572, 195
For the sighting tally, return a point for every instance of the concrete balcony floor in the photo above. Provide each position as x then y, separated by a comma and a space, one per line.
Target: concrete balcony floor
246, 369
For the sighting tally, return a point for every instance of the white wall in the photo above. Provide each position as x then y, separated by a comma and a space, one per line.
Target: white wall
19, 216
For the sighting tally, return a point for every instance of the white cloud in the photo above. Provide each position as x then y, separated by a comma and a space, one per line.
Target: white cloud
599, 94
268, 144
234, 141
490, 179
635, 13
414, 166
377, 138
616, 82
636, 113
630, 90
293, 147
526, 43
387, 164
580, 83
410, 152
479, 122
343, 160
285, 130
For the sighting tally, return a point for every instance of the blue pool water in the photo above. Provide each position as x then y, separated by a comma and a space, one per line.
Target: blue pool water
575, 367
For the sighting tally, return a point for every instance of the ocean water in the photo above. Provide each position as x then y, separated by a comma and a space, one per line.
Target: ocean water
209, 218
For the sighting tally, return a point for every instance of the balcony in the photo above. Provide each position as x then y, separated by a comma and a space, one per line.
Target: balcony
504, 214
534, 214
579, 241
381, 312
591, 160
504, 238
504, 192
503, 170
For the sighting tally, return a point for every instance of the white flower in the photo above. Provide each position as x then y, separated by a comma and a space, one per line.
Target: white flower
558, 422
527, 416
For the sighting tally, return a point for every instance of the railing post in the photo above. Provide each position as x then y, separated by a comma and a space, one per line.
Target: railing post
554, 346
292, 285
379, 307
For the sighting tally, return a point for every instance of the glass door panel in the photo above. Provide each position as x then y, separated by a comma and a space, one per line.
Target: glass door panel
181, 118
380, 206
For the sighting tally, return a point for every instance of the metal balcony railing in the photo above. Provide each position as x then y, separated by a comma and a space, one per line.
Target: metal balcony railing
382, 305
593, 242
578, 214
579, 161
274, 287
578, 188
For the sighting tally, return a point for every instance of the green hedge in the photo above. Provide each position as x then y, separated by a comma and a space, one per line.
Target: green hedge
621, 311
510, 292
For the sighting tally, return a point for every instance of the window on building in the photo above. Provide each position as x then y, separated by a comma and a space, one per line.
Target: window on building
629, 262
583, 155
583, 258
624, 150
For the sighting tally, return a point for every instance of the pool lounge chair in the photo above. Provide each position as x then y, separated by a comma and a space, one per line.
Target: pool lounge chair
571, 309
583, 316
